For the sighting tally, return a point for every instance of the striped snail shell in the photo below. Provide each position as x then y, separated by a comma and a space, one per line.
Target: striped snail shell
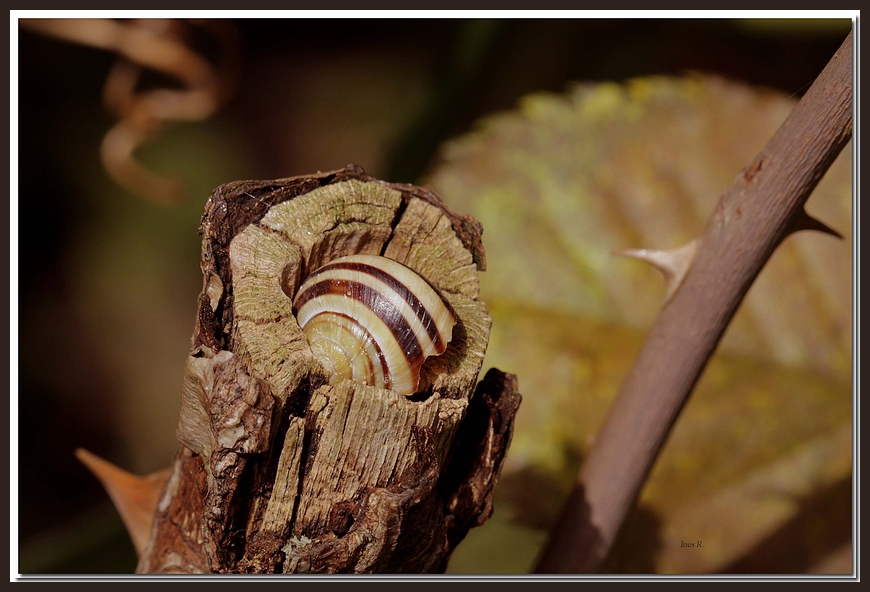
371, 319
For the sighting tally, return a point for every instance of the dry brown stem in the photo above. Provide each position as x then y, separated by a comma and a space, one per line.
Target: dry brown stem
762, 207
160, 45
283, 471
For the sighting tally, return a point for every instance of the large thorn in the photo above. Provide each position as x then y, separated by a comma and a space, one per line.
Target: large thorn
673, 263
134, 497
803, 221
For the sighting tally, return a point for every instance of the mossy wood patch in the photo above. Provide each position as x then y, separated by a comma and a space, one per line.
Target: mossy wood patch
280, 471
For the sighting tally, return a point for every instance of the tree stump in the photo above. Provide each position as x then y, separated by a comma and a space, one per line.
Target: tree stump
282, 472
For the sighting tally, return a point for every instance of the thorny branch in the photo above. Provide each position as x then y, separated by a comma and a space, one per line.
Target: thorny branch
762, 207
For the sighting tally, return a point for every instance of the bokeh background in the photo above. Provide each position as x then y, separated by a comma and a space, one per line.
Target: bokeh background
567, 139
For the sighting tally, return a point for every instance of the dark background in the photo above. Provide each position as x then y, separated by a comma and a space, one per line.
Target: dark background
313, 94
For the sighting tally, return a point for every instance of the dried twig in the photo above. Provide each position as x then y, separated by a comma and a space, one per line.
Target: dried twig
160, 45
762, 207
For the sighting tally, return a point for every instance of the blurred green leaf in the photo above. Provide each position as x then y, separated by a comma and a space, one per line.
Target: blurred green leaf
565, 180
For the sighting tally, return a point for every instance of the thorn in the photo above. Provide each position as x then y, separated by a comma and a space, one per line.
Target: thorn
673, 263
134, 497
803, 221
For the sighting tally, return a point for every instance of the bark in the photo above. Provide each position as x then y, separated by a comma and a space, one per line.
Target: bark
762, 207
280, 471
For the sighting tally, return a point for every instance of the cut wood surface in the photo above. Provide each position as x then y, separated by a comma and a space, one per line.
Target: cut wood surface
282, 471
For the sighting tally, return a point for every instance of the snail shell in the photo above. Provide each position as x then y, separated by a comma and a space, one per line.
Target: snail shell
371, 319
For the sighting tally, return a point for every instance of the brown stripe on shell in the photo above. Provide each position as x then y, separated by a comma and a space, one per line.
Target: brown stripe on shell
386, 311
419, 309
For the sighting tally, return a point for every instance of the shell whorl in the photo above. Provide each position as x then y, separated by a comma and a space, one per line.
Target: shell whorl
371, 319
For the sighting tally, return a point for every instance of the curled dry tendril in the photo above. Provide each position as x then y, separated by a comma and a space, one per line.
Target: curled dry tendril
164, 46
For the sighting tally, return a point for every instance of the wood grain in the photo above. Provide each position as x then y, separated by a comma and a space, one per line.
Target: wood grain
281, 471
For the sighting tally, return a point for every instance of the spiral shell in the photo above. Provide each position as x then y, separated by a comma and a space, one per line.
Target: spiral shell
371, 319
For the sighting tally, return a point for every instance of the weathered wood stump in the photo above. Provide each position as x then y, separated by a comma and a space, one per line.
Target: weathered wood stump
281, 471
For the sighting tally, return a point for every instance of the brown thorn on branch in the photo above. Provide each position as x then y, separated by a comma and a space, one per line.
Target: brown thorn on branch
134, 497
673, 263
803, 221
